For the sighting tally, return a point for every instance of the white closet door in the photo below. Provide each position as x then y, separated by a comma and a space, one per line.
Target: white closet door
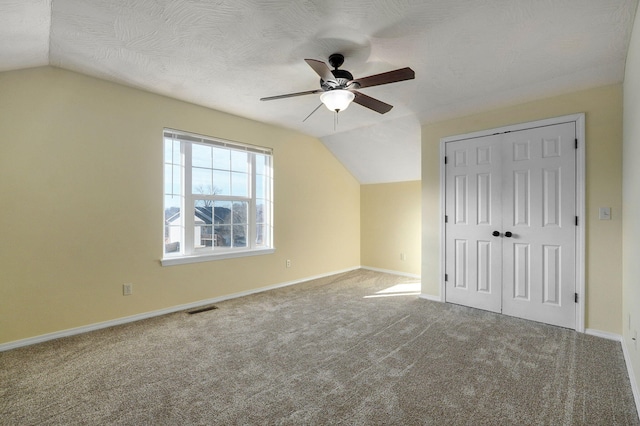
521, 186
539, 210
473, 206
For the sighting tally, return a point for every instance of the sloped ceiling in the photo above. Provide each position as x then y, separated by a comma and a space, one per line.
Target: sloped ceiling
468, 56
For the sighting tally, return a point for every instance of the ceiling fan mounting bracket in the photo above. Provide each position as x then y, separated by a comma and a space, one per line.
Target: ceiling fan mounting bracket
336, 60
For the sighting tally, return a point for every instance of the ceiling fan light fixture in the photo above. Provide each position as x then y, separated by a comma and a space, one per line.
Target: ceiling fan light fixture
337, 100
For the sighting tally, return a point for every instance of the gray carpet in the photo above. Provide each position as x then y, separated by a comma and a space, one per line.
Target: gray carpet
321, 353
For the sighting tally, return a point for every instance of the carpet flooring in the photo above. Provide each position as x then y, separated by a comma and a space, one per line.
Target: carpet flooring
357, 348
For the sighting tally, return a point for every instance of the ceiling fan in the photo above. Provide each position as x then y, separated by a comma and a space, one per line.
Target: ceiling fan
338, 88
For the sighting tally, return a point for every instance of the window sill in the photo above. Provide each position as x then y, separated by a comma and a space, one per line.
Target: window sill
181, 260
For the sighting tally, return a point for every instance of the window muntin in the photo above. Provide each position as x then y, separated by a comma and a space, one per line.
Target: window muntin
225, 187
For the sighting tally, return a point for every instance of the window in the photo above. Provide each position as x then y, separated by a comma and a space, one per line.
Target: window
217, 199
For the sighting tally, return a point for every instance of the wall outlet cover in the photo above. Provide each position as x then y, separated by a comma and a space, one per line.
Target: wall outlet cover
127, 289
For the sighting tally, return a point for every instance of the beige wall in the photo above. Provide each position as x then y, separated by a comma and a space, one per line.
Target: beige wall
80, 162
631, 196
603, 108
390, 225
81, 204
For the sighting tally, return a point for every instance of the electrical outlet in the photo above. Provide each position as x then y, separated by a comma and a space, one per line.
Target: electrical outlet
403, 257
288, 263
127, 289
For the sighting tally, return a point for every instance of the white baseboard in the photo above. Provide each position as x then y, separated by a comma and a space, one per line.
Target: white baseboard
627, 360
603, 334
124, 320
389, 271
431, 297
632, 377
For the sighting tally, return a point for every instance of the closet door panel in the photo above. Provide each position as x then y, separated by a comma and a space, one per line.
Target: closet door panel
472, 205
539, 214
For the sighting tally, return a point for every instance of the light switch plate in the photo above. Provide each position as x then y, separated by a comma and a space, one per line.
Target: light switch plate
605, 213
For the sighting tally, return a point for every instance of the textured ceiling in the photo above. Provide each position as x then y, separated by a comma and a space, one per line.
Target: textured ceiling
468, 55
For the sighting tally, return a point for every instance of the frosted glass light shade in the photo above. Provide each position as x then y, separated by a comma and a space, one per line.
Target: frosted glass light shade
337, 100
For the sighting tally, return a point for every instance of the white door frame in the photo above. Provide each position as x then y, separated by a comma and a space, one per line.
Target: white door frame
579, 120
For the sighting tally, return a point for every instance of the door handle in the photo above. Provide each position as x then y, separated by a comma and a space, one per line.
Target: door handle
508, 234
495, 233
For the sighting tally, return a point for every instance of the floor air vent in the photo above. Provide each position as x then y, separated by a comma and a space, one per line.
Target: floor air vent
202, 309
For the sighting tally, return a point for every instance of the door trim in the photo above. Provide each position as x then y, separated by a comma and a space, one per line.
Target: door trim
579, 121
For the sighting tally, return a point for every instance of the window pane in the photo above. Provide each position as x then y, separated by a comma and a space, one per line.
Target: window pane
168, 149
222, 212
176, 178
222, 181
260, 235
239, 161
203, 203
173, 190
197, 232
206, 236
221, 159
239, 235
171, 205
172, 240
260, 162
260, 218
202, 214
240, 184
168, 181
171, 151
201, 155
201, 181
173, 224
176, 152
222, 237
240, 210
203, 218
260, 189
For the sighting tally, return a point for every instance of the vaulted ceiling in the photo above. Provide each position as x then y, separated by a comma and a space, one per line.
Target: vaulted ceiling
468, 56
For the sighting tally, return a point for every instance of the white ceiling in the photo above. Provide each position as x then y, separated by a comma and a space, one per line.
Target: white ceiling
468, 55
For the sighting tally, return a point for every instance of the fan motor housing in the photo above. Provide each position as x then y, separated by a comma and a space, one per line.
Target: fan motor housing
342, 78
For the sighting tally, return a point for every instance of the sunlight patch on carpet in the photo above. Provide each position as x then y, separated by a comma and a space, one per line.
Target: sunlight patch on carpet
403, 289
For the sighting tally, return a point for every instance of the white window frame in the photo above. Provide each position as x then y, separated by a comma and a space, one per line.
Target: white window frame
188, 252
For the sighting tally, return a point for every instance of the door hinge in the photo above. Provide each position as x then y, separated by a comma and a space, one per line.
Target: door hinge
576, 297
576, 143
576, 220
445, 160
446, 277
446, 219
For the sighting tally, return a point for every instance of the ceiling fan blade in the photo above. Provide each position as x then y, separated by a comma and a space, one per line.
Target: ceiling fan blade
321, 69
384, 78
371, 103
291, 95
312, 112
